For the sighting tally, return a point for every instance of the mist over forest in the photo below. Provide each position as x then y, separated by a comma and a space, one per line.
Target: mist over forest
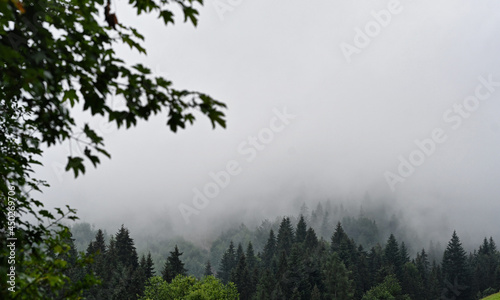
231, 149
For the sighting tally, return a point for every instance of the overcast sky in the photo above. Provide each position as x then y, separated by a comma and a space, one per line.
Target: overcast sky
360, 82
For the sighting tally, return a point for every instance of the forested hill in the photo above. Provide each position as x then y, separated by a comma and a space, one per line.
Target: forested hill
302, 257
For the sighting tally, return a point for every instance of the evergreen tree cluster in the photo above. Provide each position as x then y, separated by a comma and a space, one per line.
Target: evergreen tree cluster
297, 263
118, 267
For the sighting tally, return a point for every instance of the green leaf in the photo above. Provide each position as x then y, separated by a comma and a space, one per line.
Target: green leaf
75, 164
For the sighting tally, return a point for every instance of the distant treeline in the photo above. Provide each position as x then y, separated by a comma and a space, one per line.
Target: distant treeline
290, 260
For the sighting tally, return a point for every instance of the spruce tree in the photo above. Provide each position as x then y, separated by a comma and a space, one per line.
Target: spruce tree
435, 279
285, 236
282, 276
99, 244
403, 252
147, 266
269, 250
125, 249
485, 263
239, 252
250, 256
265, 286
174, 266
311, 239
227, 264
241, 278
336, 278
392, 257
456, 272
208, 269
149, 270
345, 247
374, 262
301, 231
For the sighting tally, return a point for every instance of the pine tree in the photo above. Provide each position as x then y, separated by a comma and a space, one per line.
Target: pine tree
297, 277
239, 252
269, 250
423, 265
241, 277
208, 269
282, 276
336, 279
103, 259
125, 249
375, 262
174, 266
412, 283
99, 244
392, 257
227, 264
345, 247
311, 239
456, 272
147, 266
285, 236
403, 252
435, 289
250, 256
265, 286
485, 263
301, 231
149, 270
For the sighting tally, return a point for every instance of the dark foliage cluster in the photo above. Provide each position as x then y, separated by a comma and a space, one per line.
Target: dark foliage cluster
297, 264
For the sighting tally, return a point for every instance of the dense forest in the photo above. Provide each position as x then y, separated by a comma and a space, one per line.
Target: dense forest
296, 257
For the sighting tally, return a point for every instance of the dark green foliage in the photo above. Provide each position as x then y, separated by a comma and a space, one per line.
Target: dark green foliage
149, 267
285, 237
56, 55
227, 263
250, 256
117, 266
240, 276
208, 270
336, 279
389, 289
126, 253
315, 295
392, 257
341, 269
484, 266
174, 266
311, 239
183, 287
435, 282
456, 270
265, 286
375, 262
301, 231
269, 250
403, 252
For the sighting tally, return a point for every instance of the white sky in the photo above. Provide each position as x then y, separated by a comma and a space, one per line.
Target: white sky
353, 120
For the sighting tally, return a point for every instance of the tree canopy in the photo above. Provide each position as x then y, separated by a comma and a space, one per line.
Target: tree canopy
57, 57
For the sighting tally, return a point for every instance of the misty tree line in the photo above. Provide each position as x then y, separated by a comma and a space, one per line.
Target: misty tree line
295, 262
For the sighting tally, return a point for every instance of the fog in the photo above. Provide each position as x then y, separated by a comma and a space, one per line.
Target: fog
316, 111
